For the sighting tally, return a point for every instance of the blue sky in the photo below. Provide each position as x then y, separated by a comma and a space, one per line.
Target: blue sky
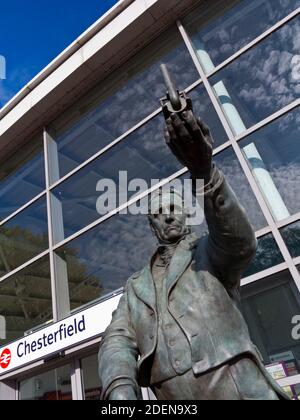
33, 33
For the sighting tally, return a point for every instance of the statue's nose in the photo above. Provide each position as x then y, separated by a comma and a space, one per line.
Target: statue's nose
169, 218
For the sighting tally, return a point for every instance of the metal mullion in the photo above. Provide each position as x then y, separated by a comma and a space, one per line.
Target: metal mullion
221, 148
268, 120
26, 264
120, 208
24, 207
193, 86
296, 261
204, 79
106, 148
265, 209
262, 232
118, 140
17, 390
290, 220
126, 205
255, 42
280, 242
50, 231
263, 274
76, 382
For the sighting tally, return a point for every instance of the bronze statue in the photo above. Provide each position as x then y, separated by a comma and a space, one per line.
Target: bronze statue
178, 328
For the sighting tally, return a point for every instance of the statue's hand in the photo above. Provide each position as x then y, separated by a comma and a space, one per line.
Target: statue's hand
125, 392
190, 141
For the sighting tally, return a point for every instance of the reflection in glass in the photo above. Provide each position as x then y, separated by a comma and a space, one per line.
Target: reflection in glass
100, 261
267, 79
204, 109
227, 162
277, 170
90, 378
22, 177
121, 101
269, 306
24, 236
143, 155
291, 236
218, 29
267, 255
25, 301
54, 385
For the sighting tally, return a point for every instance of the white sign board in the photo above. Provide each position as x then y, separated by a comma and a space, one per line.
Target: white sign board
57, 337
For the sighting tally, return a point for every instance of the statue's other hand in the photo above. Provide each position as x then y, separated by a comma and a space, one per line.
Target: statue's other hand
190, 140
125, 392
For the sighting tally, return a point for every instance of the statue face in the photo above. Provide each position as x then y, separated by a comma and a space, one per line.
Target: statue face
168, 219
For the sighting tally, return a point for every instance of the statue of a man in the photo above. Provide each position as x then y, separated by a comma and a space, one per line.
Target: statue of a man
178, 328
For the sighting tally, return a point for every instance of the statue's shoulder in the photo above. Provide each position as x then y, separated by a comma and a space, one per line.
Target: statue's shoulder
135, 276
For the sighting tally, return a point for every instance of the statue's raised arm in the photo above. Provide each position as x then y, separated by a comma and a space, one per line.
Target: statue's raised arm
178, 328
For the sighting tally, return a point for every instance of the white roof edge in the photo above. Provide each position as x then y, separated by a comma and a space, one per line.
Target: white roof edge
65, 54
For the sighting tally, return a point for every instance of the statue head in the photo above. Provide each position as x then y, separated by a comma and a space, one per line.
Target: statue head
168, 217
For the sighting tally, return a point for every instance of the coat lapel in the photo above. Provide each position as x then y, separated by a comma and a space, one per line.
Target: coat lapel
180, 261
144, 287
143, 284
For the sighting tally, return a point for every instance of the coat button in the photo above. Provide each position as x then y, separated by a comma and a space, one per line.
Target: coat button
172, 343
177, 363
220, 201
151, 336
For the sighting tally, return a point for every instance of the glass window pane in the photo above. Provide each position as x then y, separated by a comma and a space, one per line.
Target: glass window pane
121, 101
273, 154
54, 385
261, 81
269, 306
204, 109
143, 155
100, 261
25, 301
267, 255
90, 378
291, 236
22, 177
230, 166
218, 29
24, 236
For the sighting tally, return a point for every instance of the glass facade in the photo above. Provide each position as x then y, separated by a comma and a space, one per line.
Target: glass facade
269, 307
222, 29
122, 101
90, 378
22, 177
54, 385
250, 102
267, 255
100, 261
25, 301
291, 236
24, 236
